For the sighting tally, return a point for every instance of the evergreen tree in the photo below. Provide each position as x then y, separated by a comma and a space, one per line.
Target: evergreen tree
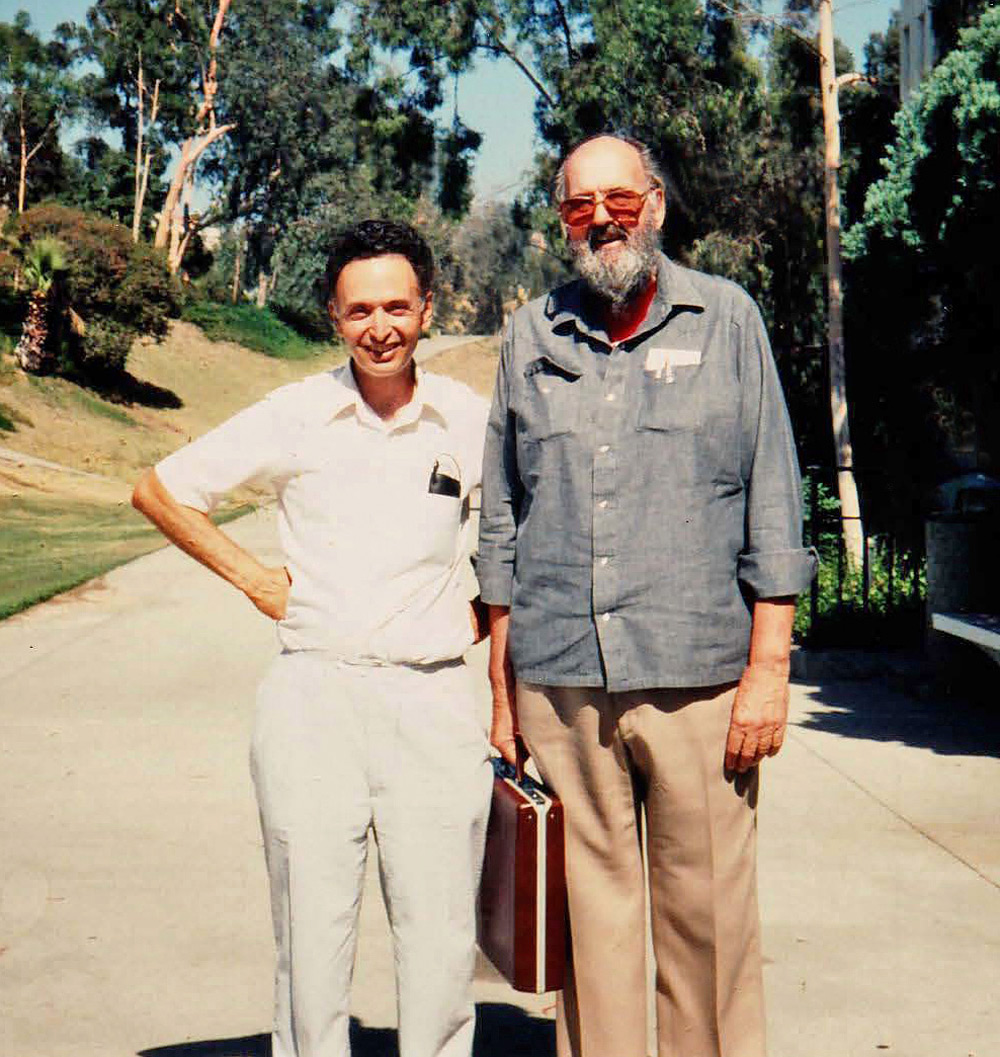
923, 268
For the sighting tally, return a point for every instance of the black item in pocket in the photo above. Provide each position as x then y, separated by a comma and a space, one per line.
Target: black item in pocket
442, 483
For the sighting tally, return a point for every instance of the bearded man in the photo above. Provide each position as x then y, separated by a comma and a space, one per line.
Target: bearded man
640, 549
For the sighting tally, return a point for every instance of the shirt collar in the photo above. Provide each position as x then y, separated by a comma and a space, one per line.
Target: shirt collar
570, 304
428, 396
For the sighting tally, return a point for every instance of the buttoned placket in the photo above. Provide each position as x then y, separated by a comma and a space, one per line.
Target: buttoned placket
605, 507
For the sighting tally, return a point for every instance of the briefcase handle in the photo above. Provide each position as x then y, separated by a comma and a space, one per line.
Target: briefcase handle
513, 770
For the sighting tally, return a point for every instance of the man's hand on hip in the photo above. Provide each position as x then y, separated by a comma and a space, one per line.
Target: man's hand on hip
269, 592
760, 714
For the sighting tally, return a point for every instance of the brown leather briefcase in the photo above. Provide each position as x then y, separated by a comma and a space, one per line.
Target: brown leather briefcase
522, 900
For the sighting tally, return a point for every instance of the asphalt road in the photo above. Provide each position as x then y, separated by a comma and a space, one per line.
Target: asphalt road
133, 901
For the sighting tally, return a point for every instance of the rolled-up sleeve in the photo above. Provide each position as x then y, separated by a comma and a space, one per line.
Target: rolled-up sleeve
773, 563
240, 450
501, 491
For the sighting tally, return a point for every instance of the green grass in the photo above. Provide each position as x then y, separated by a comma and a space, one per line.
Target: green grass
9, 418
255, 328
101, 408
59, 393
51, 545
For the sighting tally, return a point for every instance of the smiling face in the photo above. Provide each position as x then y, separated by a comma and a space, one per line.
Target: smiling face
380, 311
615, 260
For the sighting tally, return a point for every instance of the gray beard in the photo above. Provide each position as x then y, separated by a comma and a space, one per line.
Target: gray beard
621, 279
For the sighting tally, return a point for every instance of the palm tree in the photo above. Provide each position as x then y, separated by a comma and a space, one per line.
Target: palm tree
44, 260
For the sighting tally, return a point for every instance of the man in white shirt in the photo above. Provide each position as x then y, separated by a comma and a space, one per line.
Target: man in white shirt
367, 718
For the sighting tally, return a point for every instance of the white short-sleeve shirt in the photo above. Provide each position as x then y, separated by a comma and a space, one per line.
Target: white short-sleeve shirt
371, 513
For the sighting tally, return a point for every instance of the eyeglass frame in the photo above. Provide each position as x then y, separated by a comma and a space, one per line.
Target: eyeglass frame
597, 197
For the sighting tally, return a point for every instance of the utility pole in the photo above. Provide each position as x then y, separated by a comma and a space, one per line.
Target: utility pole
830, 84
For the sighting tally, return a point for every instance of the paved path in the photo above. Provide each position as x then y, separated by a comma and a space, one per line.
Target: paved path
134, 909
19, 458
429, 347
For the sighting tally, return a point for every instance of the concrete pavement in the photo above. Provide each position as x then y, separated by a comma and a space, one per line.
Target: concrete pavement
133, 907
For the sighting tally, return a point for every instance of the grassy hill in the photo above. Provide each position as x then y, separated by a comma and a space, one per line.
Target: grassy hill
64, 524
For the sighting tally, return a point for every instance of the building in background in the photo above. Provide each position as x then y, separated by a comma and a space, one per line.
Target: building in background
917, 48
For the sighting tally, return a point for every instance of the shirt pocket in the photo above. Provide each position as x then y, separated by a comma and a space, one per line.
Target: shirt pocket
669, 435
551, 405
669, 408
437, 522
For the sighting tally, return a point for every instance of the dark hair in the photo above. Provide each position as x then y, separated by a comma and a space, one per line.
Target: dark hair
377, 238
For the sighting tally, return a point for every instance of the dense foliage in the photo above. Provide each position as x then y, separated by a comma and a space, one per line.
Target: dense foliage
923, 268
111, 292
321, 112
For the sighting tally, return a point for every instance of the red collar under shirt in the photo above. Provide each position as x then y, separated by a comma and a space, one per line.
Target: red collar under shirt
622, 327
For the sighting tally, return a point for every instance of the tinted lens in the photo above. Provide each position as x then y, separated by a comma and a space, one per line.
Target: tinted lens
623, 207
577, 210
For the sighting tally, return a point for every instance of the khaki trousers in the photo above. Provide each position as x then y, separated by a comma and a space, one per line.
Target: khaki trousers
614, 759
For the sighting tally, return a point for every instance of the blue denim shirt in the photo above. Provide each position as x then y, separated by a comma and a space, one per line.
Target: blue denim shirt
638, 497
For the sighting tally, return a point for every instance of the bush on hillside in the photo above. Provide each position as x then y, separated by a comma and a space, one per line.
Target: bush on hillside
114, 290
254, 328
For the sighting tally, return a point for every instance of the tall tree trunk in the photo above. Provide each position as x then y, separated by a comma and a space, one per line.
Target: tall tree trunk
139, 143
30, 351
22, 176
237, 270
850, 507
169, 231
27, 155
143, 161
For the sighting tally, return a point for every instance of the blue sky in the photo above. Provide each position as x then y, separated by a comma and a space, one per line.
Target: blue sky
495, 98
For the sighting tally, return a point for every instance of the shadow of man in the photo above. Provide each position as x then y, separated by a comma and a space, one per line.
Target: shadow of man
501, 1031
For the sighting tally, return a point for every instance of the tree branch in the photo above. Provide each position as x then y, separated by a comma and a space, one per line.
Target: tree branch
567, 34
41, 139
743, 15
848, 80
500, 48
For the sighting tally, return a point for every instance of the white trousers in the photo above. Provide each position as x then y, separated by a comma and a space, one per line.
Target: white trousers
340, 748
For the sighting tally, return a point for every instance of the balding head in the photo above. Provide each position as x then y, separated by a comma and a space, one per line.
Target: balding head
616, 157
612, 209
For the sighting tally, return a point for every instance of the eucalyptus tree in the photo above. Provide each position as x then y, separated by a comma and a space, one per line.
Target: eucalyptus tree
673, 72
37, 95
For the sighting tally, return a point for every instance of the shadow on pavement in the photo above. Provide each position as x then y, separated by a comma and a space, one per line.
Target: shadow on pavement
873, 710
247, 1046
501, 1031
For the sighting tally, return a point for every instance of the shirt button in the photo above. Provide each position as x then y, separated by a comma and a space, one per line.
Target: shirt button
605, 617
604, 449
610, 396
604, 561
602, 504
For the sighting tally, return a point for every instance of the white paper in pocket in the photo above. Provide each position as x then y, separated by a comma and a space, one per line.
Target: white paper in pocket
661, 361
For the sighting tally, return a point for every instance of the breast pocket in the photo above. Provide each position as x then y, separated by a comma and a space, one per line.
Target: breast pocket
668, 408
551, 405
669, 434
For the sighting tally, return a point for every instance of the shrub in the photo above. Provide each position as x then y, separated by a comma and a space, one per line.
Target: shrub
254, 328
114, 290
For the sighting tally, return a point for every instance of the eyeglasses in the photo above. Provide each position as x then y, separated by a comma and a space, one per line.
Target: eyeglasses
623, 205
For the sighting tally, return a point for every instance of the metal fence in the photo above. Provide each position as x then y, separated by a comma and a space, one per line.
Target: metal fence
883, 600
